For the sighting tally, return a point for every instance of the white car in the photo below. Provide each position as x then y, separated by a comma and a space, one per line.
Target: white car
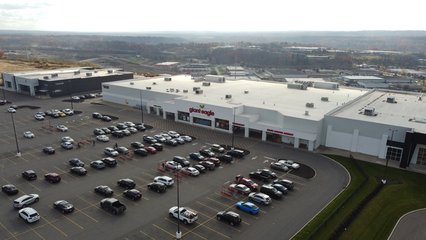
62, 128
75, 98
29, 134
102, 138
191, 171
25, 200
166, 180
110, 152
172, 165
173, 134
11, 110
260, 198
186, 138
30, 215
39, 117
68, 111
290, 164
67, 145
67, 139
129, 124
159, 138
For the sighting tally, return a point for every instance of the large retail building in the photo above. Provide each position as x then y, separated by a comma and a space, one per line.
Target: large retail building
388, 125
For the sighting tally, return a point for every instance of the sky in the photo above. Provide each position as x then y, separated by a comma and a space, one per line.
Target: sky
216, 16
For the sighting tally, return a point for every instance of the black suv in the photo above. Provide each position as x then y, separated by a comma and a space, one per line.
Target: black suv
29, 175
52, 177
132, 194
230, 217
75, 162
149, 139
271, 191
126, 183
9, 189
157, 146
236, 153
225, 158
157, 187
181, 160
137, 145
117, 133
263, 174
104, 190
286, 183
109, 161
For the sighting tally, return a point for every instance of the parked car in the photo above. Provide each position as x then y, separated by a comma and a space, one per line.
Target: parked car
126, 132
186, 138
181, 160
97, 164
106, 118
159, 138
9, 189
117, 133
151, 149
260, 198
230, 217
29, 175
68, 111
102, 138
225, 158
67, 145
30, 215
133, 194
113, 205
157, 146
199, 167
104, 191
290, 163
29, 134
63, 206
214, 160
122, 150
157, 187
171, 142
62, 128
113, 128
236, 153
126, 183
286, 183
217, 148
110, 152
25, 200
98, 131
137, 145
184, 214
247, 207
166, 180
109, 161
49, 150
75, 162
280, 188
11, 110
141, 152
106, 130
121, 126
190, 171
81, 171
180, 140
173, 134
52, 177
208, 165
172, 165
264, 175
96, 115
196, 156
271, 191
149, 139
206, 152
129, 124
279, 166
67, 139
239, 188
247, 182
39, 117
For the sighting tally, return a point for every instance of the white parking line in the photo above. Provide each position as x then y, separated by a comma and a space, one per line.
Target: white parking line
270, 158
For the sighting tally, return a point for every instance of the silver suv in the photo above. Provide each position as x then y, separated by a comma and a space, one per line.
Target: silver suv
260, 198
25, 200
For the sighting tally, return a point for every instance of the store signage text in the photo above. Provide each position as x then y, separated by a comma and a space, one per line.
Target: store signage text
201, 111
279, 132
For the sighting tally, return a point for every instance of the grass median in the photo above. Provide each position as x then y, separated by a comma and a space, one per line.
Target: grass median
404, 192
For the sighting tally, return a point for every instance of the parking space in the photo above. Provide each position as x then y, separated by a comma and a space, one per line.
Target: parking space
147, 218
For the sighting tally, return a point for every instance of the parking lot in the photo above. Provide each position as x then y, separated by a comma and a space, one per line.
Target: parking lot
147, 218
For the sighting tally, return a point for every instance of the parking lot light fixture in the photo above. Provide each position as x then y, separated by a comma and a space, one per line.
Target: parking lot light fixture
178, 232
233, 128
140, 96
18, 153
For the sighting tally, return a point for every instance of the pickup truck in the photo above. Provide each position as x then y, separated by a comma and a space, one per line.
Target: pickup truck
186, 215
112, 205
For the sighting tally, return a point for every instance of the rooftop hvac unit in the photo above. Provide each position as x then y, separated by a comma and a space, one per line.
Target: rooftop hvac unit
309, 105
110, 71
154, 83
206, 84
307, 113
297, 86
54, 75
177, 90
77, 72
172, 89
391, 100
96, 71
132, 83
89, 74
228, 96
148, 88
168, 79
199, 91
195, 88
45, 77
246, 91
185, 91
370, 111
324, 99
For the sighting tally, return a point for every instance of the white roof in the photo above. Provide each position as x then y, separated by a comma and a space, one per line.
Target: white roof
408, 112
261, 94
362, 78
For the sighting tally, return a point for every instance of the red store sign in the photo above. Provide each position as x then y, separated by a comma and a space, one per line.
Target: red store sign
279, 132
201, 111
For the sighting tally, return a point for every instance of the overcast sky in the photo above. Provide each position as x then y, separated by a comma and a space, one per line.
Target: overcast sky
218, 15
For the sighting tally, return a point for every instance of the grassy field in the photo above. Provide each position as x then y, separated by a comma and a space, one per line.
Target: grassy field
404, 192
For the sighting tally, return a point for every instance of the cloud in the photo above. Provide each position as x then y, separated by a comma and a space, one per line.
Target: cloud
13, 6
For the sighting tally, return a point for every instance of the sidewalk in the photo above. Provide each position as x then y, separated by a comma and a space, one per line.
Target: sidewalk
368, 158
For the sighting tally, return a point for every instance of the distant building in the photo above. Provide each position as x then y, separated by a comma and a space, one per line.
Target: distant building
236, 71
61, 82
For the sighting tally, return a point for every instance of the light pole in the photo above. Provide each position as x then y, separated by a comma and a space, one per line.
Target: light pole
384, 180
140, 96
233, 128
18, 153
70, 91
178, 232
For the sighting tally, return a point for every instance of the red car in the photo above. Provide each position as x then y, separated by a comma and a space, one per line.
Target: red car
52, 177
214, 160
151, 150
247, 182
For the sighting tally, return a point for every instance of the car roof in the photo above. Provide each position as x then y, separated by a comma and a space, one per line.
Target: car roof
28, 210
